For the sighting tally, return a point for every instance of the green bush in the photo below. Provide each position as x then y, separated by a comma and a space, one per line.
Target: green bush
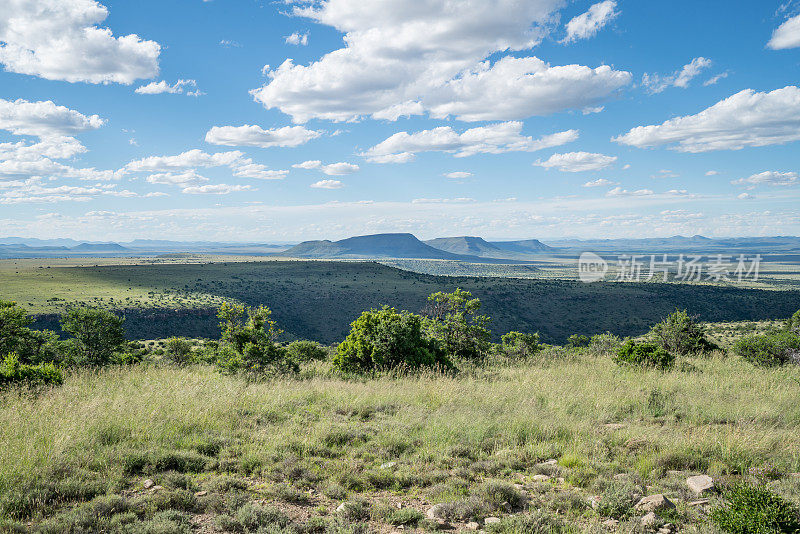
679, 333
32, 346
576, 341
755, 510
771, 349
248, 342
793, 323
306, 351
97, 335
604, 343
452, 319
519, 346
384, 339
44, 374
178, 350
643, 355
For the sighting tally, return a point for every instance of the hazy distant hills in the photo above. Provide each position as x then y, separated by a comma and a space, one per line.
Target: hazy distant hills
407, 246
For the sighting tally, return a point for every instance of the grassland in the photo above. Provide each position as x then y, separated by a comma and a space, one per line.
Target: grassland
318, 299
220, 449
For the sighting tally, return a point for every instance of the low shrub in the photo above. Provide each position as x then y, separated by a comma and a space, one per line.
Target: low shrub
643, 355
519, 346
178, 350
44, 374
679, 333
576, 341
771, 349
604, 343
755, 510
306, 351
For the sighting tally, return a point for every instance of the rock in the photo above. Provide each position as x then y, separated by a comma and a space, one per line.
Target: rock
663, 530
611, 523
698, 502
201, 493
340, 508
443, 524
540, 478
594, 501
551, 461
156, 488
388, 465
399, 506
650, 520
491, 521
654, 503
472, 525
700, 484
148, 484
434, 511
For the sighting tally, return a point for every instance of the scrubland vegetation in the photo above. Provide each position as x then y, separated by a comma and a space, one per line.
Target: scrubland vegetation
411, 422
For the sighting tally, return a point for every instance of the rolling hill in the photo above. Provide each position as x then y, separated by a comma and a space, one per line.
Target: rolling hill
473, 246
524, 246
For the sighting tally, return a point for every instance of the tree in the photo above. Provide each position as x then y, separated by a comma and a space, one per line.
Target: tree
385, 338
249, 341
793, 323
520, 346
31, 346
679, 333
97, 333
453, 320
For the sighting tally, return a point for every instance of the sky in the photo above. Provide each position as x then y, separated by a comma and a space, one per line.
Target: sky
281, 121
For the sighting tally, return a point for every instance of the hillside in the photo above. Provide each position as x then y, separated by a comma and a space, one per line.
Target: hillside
524, 246
99, 247
374, 246
473, 246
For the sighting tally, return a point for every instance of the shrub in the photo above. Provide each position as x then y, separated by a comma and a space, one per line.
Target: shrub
178, 350
32, 346
453, 320
306, 351
604, 343
679, 333
519, 346
248, 342
13, 372
771, 349
793, 323
755, 510
97, 333
576, 341
644, 355
386, 338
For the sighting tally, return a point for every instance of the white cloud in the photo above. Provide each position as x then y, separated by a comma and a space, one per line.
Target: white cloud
712, 173
328, 184
656, 83
44, 119
62, 40
399, 61
332, 169
190, 160
32, 190
297, 39
252, 135
458, 174
216, 189
787, 35
258, 171
515, 88
157, 88
599, 183
492, 139
744, 119
577, 162
227, 43
665, 173
154, 194
619, 192
588, 24
744, 196
769, 178
185, 179
714, 79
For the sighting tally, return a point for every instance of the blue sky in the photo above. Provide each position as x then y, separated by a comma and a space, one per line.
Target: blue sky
280, 121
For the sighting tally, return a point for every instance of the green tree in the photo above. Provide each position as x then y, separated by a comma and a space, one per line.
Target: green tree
679, 333
520, 346
31, 346
793, 323
453, 320
306, 351
385, 338
249, 341
97, 333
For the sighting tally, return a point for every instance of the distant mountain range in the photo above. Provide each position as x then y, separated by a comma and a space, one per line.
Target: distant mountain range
406, 246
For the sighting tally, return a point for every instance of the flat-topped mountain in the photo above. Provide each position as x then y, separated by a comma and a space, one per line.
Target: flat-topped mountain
371, 246
523, 246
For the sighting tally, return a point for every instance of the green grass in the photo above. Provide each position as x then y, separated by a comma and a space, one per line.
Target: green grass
319, 299
307, 445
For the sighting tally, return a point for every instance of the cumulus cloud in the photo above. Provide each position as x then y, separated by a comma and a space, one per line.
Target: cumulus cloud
190, 160
600, 182
769, 178
587, 24
44, 119
399, 61
297, 39
787, 35
577, 162
493, 139
620, 192
185, 179
327, 184
60, 40
747, 118
712, 173
744, 196
458, 174
216, 189
332, 169
157, 88
252, 135
36, 190
656, 83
